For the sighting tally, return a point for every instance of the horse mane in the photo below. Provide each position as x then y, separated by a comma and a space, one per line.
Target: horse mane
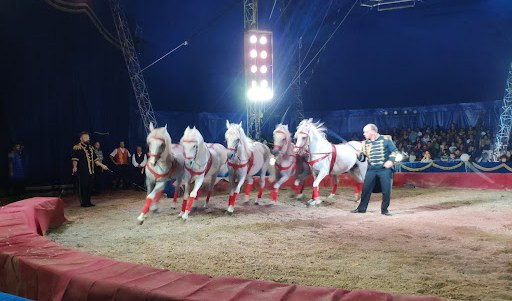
162, 132
285, 129
239, 131
193, 131
318, 126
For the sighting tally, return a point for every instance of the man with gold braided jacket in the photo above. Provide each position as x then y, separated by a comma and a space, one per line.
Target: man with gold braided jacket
84, 160
381, 153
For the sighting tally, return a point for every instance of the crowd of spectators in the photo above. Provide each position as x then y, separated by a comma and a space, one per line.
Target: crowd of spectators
445, 144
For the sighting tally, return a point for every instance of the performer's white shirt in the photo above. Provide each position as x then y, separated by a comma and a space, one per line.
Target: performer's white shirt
114, 153
142, 164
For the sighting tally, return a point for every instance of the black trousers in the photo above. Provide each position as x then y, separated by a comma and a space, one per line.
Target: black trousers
85, 182
98, 179
385, 178
122, 176
138, 178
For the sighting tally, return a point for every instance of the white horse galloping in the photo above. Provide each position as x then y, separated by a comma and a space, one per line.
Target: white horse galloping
245, 159
165, 163
203, 162
287, 162
326, 158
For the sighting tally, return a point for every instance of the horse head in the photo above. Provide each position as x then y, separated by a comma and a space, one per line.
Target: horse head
190, 142
282, 138
158, 141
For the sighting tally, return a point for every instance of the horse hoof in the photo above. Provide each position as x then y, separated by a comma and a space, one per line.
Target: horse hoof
331, 196
173, 206
229, 213
205, 206
299, 196
140, 222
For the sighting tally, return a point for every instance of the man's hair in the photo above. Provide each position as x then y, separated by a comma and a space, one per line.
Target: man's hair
83, 133
373, 127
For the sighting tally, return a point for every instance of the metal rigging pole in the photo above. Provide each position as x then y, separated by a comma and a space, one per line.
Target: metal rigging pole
299, 110
255, 109
505, 122
132, 63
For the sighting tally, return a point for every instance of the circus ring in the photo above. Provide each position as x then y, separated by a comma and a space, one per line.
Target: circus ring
451, 243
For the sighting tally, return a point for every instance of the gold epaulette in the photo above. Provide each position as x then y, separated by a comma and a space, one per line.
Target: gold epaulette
387, 137
77, 146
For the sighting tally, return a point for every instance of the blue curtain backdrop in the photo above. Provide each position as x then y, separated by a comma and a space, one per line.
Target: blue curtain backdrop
341, 123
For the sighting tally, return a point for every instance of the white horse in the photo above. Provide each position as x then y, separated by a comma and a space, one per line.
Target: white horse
245, 159
203, 162
326, 158
165, 163
287, 163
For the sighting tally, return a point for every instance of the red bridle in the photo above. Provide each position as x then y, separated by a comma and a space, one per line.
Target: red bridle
156, 138
277, 146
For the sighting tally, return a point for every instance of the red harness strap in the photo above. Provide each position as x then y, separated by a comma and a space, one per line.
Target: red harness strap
248, 164
159, 175
293, 166
204, 171
333, 159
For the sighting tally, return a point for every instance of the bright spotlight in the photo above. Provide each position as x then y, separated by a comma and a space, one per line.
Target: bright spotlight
260, 94
258, 65
253, 39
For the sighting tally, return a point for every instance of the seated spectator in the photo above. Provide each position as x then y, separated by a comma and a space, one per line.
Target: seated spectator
503, 158
452, 148
426, 157
412, 157
444, 156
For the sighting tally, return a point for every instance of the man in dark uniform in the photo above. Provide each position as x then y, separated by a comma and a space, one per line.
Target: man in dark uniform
139, 160
381, 153
84, 160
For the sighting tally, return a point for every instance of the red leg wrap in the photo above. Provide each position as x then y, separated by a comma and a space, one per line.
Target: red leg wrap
273, 194
302, 187
315, 193
183, 205
158, 195
248, 189
190, 202
233, 202
260, 192
175, 195
334, 188
359, 188
208, 196
146, 206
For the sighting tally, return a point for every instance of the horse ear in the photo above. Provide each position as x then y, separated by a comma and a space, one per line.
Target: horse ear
194, 127
151, 126
227, 124
286, 126
165, 126
240, 124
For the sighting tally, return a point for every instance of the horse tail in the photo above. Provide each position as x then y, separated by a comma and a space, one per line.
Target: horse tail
268, 157
358, 170
272, 169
